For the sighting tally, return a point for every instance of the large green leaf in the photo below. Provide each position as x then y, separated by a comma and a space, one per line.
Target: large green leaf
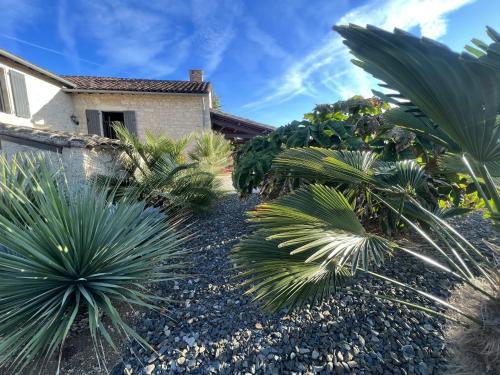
302, 234
460, 94
322, 164
420, 125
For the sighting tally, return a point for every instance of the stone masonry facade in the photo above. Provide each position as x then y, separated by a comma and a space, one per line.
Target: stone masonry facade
173, 115
81, 157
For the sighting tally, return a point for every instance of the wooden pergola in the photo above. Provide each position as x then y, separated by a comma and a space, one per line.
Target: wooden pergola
235, 128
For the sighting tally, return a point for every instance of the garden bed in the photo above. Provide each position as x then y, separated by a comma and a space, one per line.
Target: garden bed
213, 328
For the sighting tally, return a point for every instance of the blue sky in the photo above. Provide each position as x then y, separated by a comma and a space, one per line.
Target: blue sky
269, 60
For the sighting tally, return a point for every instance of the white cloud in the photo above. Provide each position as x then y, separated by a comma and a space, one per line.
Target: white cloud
214, 23
131, 37
329, 67
150, 39
265, 41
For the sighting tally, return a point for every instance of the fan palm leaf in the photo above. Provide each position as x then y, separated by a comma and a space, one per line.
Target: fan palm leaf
458, 93
307, 238
321, 164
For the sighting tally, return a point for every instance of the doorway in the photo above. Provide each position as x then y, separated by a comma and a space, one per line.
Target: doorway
109, 120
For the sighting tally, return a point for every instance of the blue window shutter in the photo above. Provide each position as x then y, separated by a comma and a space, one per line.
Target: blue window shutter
19, 94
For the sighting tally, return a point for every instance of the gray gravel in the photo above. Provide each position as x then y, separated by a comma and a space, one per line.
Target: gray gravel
213, 328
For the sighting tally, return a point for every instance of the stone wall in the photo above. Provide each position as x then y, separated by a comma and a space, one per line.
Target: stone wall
174, 115
81, 156
50, 107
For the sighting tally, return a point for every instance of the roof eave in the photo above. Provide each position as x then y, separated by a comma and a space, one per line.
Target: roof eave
36, 68
128, 92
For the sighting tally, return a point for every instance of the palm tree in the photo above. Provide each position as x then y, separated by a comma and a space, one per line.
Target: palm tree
308, 241
157, 171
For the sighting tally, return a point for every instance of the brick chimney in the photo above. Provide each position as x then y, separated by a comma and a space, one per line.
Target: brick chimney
196, 75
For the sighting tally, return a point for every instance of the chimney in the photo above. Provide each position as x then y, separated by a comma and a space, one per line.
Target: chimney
196, 75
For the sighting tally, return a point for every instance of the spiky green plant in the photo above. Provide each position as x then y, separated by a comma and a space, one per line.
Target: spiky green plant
72, 251
211, 151
176, 186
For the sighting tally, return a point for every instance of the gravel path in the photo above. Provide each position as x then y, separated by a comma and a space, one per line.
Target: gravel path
215, 329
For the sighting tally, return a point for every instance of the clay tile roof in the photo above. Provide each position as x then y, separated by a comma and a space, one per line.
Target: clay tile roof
58, 138
137, 85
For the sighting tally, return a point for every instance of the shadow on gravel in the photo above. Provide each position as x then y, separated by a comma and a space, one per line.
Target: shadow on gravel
213, 328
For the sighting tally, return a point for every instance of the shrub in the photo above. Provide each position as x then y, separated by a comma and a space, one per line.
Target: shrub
211, 151
156, 171
306, 242
70, 253
356, 124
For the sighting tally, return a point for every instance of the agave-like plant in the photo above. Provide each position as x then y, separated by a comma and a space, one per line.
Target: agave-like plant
68, 251
306, 242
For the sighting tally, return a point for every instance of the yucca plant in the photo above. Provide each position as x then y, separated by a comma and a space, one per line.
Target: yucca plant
211, 151
73, 251
306, 242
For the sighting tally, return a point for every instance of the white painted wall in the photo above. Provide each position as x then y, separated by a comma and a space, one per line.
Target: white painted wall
50, 107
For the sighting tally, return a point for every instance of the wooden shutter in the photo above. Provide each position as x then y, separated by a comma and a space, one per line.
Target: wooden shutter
93, 121
4, 96
19, 94
130, 122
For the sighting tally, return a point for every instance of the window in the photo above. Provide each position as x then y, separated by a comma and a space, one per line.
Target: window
102, 123
109, 120
4, 96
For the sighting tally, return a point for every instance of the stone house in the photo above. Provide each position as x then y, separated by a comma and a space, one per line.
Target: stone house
40, 110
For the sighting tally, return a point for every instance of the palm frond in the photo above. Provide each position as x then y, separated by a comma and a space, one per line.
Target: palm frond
320, 164
303, 230
211, 151
460, 94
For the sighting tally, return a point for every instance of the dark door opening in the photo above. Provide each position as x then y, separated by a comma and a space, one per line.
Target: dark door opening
109, 120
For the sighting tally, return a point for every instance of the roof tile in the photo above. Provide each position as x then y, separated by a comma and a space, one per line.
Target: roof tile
138, 85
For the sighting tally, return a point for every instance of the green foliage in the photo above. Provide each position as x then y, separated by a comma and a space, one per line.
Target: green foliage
211, 151
68, 253
354, 124
175, 186
304, 241
155, 146
155, 171
458, 94
216, 104
301, 250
